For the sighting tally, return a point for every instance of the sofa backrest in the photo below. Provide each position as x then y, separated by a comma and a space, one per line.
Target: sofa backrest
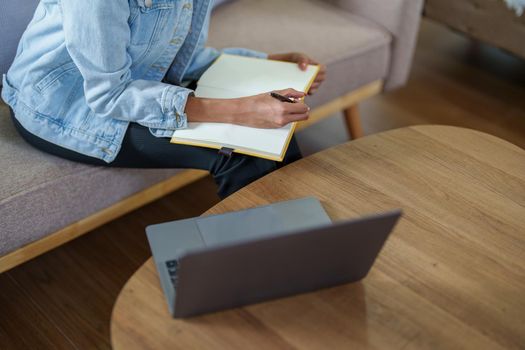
14, 17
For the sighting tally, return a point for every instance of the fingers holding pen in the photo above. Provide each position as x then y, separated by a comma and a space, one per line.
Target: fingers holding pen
291, 93
268, 110
287, 118
297, 117
298, 107
290, 101
293, 112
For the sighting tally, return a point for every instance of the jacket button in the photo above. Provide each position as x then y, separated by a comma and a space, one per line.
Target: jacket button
187, 6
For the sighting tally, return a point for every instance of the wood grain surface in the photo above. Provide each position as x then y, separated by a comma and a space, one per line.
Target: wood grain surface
452, 274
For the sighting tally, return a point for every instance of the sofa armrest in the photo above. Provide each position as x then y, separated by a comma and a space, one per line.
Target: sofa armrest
401, 18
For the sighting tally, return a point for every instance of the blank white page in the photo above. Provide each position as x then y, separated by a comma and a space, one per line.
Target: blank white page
251, 76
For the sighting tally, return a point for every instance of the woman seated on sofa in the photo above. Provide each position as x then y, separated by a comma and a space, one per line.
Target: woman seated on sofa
106, 83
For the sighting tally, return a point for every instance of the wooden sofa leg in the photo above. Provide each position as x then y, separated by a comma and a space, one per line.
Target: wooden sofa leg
353, 122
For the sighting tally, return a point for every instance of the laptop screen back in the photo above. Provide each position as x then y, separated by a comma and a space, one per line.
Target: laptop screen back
228, 276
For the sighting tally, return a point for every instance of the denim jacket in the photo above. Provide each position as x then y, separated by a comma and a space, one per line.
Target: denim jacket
85, 69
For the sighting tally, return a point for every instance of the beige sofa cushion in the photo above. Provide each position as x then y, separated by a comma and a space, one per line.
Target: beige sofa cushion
41, 193
355, 50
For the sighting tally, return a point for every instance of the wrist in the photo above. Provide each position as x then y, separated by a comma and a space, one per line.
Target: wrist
212, 110
221, 110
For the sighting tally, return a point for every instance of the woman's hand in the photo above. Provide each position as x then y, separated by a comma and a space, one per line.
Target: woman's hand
303, 61
259, 111
265, 111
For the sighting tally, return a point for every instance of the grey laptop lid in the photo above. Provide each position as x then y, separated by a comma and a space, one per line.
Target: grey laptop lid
171, 240
231, 275
233, 259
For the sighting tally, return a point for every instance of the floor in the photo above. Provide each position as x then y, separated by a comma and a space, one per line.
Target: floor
64, 298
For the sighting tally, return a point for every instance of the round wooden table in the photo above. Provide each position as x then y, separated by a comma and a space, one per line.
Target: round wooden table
451, 276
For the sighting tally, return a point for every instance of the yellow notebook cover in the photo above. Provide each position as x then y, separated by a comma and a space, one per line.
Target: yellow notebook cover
232, 76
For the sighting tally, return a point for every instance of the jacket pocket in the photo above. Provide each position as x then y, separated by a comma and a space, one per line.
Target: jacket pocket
148, 18
59, 92
55, 75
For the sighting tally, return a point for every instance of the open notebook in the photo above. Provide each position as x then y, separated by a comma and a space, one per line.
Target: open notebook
234, 76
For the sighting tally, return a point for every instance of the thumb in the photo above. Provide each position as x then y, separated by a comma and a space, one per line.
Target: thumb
303, 61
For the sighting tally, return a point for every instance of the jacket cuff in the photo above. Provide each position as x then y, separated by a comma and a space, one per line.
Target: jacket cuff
174, 106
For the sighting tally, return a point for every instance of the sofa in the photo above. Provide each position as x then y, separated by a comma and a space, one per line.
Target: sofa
46, 201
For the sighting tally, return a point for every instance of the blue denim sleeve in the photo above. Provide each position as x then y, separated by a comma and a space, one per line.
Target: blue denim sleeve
97, 36
205, 56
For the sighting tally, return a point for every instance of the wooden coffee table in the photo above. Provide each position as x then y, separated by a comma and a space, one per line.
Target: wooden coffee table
452, 275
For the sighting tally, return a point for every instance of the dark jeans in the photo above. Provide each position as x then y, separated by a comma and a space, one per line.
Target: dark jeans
140, 149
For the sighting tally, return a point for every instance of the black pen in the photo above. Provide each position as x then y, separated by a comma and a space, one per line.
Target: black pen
281, 97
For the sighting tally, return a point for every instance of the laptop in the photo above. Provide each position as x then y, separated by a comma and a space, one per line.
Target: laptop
217, 262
